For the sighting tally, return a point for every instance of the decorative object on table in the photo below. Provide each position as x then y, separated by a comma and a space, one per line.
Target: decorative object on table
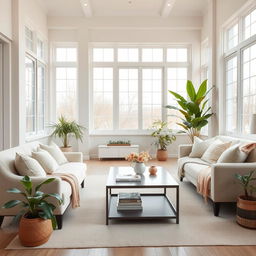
152, 170
246, 204
129, 201
194, 111
128, 177
36, 216
138, 161
164, 137
119, 143
64, 129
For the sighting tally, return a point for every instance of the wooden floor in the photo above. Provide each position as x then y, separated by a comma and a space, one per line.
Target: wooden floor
7, 236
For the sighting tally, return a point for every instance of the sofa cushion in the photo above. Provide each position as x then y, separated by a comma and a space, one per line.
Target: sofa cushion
233, 155
26, 165
77, 169
55, 152
200, 146
212, 154
46, 160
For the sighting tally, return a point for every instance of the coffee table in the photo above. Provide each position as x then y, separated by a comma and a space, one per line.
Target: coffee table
156, 205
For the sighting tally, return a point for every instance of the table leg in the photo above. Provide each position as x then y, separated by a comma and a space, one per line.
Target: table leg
107, 206
165, 191
177, 206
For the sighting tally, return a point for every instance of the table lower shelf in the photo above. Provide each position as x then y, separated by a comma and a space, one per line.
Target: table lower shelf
155, 206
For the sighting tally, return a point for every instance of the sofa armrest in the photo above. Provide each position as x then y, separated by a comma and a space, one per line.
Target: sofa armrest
74, 156
224, 186
184, 150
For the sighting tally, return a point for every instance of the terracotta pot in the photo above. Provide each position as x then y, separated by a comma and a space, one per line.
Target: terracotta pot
67, 149
152, 170
34, 232
162, 155
246, 212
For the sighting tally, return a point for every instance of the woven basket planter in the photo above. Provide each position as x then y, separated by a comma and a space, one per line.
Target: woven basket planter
246, 213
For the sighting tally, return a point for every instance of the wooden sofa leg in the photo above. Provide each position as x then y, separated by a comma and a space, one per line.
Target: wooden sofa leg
216, 209
1, 220
82, 184
181, 178
59, 221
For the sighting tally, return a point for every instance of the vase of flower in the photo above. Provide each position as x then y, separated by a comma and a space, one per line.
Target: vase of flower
138, 161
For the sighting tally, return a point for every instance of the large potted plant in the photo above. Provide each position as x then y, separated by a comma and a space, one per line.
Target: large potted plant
194, 111
164, 137
246, 203
65, 128
36, 215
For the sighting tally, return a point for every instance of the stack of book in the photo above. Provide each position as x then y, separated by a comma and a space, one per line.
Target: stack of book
129, 201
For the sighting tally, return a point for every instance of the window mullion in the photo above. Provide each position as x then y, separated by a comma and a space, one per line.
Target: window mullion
239, 92
115, 97
140, 101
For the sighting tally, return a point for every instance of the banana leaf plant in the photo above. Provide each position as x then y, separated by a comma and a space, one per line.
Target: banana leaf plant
35, 204
194, 110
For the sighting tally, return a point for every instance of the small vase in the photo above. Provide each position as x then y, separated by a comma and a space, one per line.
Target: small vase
139, 168
152, 170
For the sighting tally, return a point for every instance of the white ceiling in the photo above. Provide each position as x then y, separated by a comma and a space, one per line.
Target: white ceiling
124, 7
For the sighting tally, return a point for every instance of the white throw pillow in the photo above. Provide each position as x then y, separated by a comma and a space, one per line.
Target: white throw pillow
46, 160
213, 153
233, 155
200, 146
55, 152
26, 165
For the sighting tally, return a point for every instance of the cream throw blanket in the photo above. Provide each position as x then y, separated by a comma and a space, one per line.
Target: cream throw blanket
72, 180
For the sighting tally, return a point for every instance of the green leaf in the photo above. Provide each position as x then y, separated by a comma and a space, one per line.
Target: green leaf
191, 90
54, 195
45, 182
26, 182
202, 90
183, 126
178, 96
11, 204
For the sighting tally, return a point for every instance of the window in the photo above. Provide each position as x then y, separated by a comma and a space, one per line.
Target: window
66, 54
240, 76
232, 37
129, 93
35, 81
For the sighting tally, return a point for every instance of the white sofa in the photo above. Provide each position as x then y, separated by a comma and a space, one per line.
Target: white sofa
10, 179
224, 186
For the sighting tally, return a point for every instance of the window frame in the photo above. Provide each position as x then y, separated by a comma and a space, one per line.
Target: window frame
140, 65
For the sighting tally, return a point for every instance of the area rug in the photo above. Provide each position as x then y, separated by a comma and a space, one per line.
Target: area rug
85, 227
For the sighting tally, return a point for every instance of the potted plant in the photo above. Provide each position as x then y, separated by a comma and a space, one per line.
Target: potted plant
64, 128
119, 143
246, 203
36, 216
164, 137
194, 111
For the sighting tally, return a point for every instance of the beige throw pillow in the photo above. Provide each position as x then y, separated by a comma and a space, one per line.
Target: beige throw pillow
199, 147
213, 153
26, 165
233, 155
55, 152
46, 160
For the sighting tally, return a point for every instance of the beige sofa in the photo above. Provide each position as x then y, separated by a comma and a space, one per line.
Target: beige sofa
224, 186
10, 179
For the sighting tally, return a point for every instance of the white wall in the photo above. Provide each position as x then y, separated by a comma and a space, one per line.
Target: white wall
136, 30
6, 18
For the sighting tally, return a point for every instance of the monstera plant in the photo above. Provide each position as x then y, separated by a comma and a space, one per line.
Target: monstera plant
194, 110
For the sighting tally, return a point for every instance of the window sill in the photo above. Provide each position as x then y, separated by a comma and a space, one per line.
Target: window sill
36, 137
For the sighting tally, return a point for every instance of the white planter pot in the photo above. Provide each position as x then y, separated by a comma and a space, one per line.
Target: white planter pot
139, 168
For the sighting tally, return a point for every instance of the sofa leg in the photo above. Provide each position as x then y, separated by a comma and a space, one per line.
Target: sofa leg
59, 221
216, 209
181, 178
82, 184
1, 220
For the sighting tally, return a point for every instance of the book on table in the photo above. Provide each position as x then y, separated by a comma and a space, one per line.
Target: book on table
129, 201
128, 177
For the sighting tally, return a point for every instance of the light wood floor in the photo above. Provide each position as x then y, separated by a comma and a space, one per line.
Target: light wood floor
7, 236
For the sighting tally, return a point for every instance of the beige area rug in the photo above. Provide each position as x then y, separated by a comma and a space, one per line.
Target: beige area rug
85, 227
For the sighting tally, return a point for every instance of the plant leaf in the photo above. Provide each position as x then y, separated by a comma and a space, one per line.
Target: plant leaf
191, 90
202, 90
178, 96
44, 182
11, 204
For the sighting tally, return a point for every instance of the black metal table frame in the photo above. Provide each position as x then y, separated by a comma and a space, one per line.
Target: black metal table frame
109, 194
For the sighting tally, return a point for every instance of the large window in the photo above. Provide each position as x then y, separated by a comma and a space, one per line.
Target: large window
240, 74
129, 85
66, 82
35, 81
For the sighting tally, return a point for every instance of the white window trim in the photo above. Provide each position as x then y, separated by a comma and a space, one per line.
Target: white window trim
116, 65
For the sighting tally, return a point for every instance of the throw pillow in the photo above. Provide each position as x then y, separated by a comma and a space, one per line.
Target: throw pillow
46, 160
199, 147
55, 152
233, 155
26, 165
213, 153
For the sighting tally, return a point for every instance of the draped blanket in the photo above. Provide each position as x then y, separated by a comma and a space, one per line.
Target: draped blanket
72, 180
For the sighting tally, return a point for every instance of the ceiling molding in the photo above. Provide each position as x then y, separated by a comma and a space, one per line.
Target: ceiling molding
87, 8
167, 8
